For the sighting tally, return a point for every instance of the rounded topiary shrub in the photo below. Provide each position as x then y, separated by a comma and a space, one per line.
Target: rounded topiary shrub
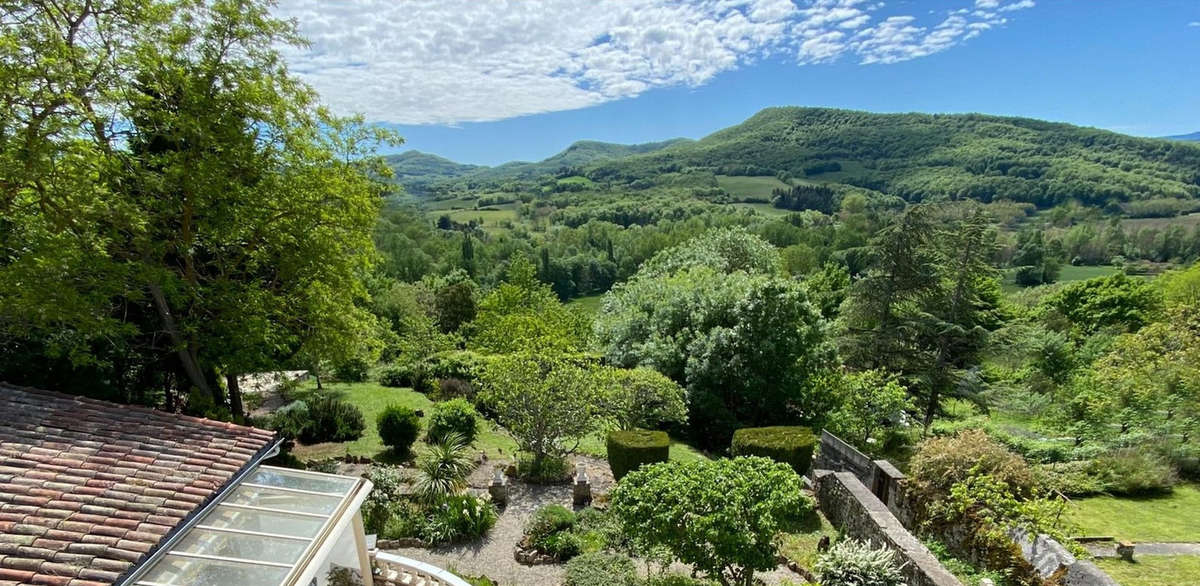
453, 416
790, 445
398, 428
628, 450
601, 568
332, 420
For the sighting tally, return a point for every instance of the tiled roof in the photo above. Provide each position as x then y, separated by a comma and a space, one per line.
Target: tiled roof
88, 488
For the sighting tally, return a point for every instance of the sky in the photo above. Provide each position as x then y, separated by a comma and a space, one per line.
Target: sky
487, 81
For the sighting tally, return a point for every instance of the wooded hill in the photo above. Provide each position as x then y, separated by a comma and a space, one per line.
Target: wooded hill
418, 171
914, 156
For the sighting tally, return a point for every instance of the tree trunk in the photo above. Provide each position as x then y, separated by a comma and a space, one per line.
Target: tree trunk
235, 396
184, 349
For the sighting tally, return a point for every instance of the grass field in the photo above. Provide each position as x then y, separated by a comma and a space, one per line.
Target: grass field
1067, 274
763, 208
589, 305
372, 398
1174, 517
758, 188
490, 219
1154, 570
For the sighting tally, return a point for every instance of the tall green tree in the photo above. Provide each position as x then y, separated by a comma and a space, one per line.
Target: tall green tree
924, 307
170, 188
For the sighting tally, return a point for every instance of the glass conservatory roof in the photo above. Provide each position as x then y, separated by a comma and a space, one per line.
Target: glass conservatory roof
262, 531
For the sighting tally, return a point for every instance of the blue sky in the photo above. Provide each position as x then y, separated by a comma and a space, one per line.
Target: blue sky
487, 82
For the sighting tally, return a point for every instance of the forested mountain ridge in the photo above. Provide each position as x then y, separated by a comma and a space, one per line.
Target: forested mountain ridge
1195, 136
926, 156
417, 171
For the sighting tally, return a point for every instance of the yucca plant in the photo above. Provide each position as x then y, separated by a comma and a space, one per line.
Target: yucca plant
442, 468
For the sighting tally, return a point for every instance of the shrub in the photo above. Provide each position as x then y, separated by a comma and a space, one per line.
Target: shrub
456, 416
547, 520
563, 545
459, 518
332, 420
398, 428
1132, 471
455, 388
354, 370
790, 445
291, 419
387, 490
940, 463
549, 470
719, 516
601, 569
852, 563
396, 375
628, 450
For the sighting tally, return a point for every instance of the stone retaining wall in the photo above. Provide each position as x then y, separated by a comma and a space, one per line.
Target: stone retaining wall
852, 508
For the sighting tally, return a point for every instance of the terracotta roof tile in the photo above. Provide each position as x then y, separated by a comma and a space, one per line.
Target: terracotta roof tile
89, 488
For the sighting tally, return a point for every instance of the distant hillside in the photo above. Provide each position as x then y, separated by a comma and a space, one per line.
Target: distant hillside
417, 171
1192, 136
922, 156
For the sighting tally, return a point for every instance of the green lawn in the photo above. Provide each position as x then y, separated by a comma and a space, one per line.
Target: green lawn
1175, 517
801, 546
1154, 570
759, 188
372, 398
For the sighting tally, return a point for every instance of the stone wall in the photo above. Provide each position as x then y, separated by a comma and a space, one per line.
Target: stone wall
839, 456
1051, 560
852, 508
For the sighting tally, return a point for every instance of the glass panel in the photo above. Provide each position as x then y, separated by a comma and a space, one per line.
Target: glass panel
278, 523
197, 572
247, 547
299, 480
288, 501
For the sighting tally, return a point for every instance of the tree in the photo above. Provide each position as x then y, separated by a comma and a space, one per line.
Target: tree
720, 516
864, 402
547, 402
642, 398
172, 193
523, 314
927, 302
1116, 301
745, 346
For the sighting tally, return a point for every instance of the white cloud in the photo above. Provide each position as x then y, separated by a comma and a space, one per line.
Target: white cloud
449, 61
1194, 23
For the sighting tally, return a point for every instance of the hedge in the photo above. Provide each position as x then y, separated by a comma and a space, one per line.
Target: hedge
790, 445
627, 450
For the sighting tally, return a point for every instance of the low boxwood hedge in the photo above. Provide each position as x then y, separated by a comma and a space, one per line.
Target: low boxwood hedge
627, 450
790, 445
